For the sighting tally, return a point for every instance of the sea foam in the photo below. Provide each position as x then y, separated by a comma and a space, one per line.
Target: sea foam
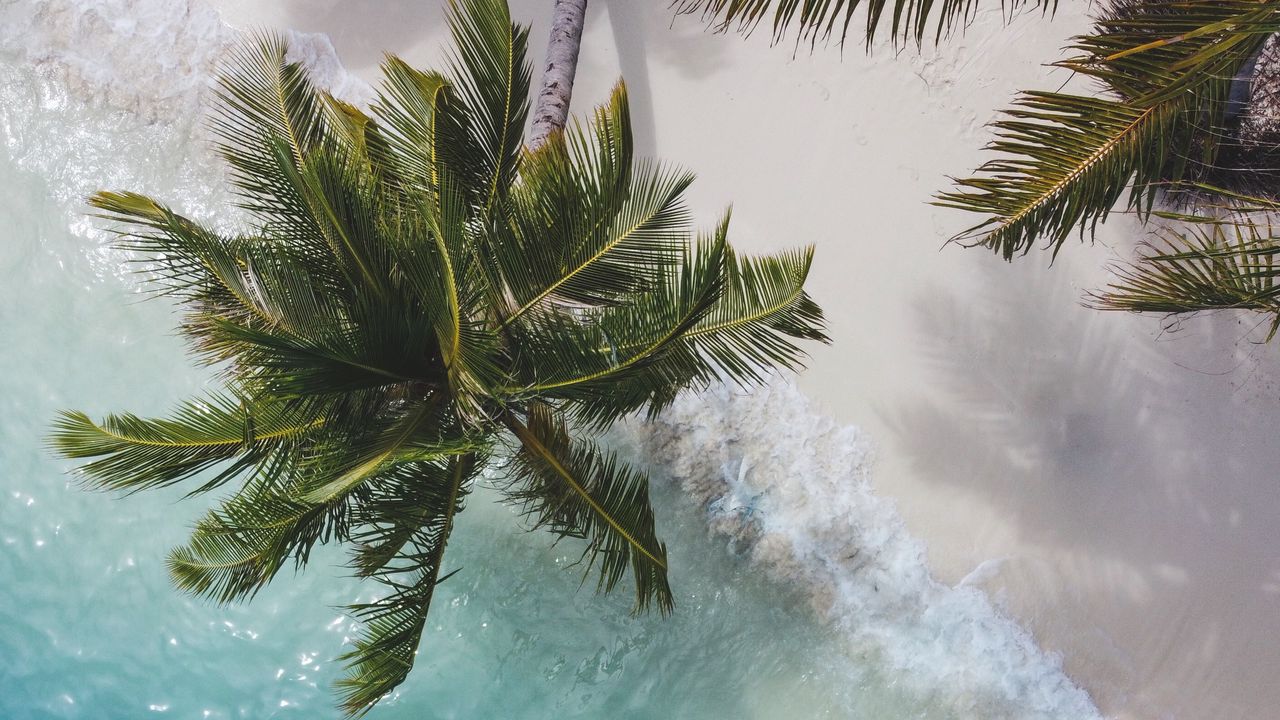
787, 486
791, 489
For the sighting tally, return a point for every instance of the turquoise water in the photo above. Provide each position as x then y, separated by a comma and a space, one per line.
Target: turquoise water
799, 593
92, 629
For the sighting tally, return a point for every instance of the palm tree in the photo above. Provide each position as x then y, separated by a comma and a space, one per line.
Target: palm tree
1167, 71
418, 298
1175, 80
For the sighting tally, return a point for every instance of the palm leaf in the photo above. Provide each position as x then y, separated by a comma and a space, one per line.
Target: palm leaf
264, 96
575, 490
1069, 159
286, 365
618, 359
239, 547
257, 282
592, 226
417, 433
761, 310
426, 131
399, 504
492, 78
438, 254
1216, 265
135, 453
1065, 159
340, 198
189, 260
414, 518
440, 265
815, 20
269, 119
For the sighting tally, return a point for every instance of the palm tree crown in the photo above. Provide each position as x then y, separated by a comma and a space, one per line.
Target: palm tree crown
420, 294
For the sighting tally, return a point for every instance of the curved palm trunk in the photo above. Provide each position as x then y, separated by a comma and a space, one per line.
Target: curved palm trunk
552, 109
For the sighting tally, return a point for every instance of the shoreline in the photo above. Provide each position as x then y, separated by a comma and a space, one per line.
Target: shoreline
1106, 484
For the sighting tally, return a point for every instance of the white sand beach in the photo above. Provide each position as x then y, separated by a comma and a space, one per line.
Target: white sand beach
1110, 482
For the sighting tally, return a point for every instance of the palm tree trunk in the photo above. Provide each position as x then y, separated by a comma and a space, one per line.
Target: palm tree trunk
552, 109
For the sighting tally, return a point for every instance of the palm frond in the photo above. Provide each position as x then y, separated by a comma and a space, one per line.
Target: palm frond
405, 550
340, 198
361, 137
135, 453
286, 365
1212, 266
417, 433
269, 119
440, 265
814, 20
426, 131
1065, 160
190, 261
616, 360
401, 502
492, 77
256, 282
264, 96
1068, 160
239, 547
575, 490
761, 311
592, 225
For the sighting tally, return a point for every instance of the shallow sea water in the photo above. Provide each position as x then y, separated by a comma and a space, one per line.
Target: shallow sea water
89, 626
772, 620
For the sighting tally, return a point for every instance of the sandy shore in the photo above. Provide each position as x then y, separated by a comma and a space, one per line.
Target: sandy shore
1112, 484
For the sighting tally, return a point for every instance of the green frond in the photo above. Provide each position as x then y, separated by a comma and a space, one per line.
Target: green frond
592, 226
814, 20
1217, 265
387, 647
263, 96
185, 259
418, 433
425, 130
135, 453
616, 360
492, 77
239, 547
441, 263
357, 135
340, 197
287, 365
413, 521
402, 501
575, 490
1065, 160
269, 118
761, 311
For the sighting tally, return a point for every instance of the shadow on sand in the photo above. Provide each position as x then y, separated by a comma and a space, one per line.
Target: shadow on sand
1141, 473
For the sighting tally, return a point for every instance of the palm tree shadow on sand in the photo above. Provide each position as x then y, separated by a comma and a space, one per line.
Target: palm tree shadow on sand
1137, 474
